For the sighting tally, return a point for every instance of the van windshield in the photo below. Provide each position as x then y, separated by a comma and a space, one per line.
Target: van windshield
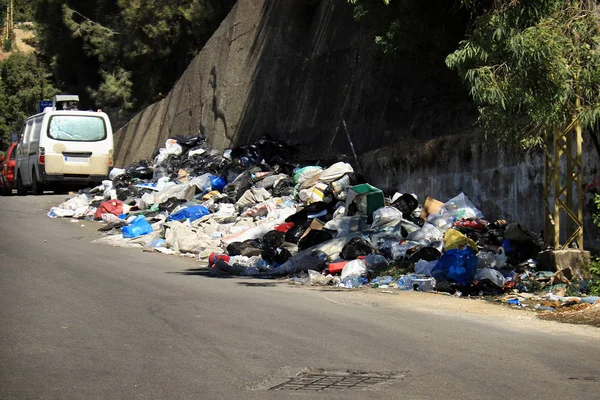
79, 128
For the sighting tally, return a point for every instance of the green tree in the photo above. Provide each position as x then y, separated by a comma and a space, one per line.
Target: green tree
124, 53
532, 66
23, 81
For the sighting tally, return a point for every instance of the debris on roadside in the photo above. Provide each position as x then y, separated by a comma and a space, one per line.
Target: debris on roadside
251, 211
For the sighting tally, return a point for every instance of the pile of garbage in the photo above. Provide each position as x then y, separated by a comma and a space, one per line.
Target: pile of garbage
251, 211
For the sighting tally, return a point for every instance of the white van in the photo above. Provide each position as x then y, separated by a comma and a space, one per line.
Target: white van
63, 145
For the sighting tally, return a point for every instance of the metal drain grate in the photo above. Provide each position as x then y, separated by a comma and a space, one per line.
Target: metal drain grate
333, 381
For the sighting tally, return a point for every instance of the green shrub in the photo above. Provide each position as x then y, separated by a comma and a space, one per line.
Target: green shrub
594, 284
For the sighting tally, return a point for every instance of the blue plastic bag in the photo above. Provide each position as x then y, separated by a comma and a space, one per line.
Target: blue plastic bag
138, 227
217, 183
458, 265
192, 213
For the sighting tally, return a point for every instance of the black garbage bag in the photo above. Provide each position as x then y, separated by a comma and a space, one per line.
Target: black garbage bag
122, 181
112, 225
492, 237
276, 255
247, 248
124, 193
448, 287
222, 268
283, 187
312, 209
170, 204
273, 239
239, 186
294, 234
193, 142
425, 253
355, 248
313, 238
139, 170
520, 244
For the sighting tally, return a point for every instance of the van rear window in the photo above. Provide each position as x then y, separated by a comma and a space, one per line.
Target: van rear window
78, 128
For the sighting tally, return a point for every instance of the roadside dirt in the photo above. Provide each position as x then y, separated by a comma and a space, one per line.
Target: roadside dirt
521, 319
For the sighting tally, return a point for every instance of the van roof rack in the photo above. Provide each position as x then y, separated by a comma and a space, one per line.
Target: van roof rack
65, 102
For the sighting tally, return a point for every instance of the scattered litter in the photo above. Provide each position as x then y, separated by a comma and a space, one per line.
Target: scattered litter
252, 211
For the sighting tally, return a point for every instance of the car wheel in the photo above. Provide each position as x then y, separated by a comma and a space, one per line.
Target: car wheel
37, 188
6, 191
21, 191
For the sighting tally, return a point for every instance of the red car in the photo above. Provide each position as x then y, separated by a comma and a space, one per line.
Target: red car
7, 170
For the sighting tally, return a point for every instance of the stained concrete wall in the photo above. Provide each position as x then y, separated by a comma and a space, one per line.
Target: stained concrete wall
294, 69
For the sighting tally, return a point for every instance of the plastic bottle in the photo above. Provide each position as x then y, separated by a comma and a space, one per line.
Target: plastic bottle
353, 281
405, 282
383, 280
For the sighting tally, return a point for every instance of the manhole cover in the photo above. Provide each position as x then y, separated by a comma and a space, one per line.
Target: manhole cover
311, 380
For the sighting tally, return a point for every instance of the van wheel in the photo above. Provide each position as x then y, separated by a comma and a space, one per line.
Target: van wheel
36, 187
6, 191
21, 191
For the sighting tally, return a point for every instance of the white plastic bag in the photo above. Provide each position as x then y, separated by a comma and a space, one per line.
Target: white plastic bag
428, 233
354, 268
385, 216
461, 207
115, 172
202, 182
335, 172
317, 279
491, 260
173, 147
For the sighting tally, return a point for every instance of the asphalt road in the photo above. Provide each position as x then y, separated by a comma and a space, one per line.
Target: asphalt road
85, 321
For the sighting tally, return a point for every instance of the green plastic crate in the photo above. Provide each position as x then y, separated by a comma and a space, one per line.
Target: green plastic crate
374, 199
